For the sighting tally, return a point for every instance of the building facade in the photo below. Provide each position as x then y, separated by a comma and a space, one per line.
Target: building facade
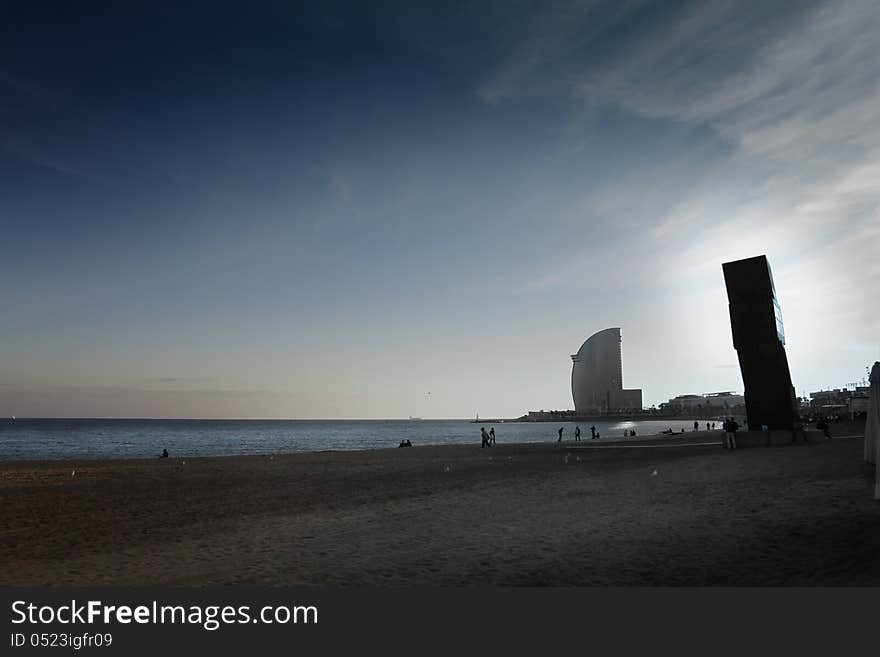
840, 403
597, 376
711, 403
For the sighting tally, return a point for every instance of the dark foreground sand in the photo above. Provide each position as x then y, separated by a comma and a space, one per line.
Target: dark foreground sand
512, 515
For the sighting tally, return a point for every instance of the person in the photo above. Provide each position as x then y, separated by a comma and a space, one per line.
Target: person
597, 435
730, 427
492, 436
696, 425
708, 427
593, 431
164, 454
484, 436
405, 443
798, 431
560, 435
713, 426
577, 433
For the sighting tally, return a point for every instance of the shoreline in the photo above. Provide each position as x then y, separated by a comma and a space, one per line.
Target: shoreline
837, 428
674, 439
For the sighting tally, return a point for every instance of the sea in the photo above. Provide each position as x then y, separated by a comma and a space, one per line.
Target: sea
37, 439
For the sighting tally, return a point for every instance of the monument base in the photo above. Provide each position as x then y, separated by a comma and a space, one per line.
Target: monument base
777, 437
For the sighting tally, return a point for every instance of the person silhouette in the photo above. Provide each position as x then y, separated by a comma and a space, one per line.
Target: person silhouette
560, 435
492, 436
730, 426
593, 431
577, 433
484, 436
164, 454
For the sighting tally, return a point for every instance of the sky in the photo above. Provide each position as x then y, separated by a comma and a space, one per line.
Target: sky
382, 210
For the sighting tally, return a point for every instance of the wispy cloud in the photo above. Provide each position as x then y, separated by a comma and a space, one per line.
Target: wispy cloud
42, 158
796, 95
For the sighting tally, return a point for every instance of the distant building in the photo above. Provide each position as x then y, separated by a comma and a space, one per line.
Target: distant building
597, 376
549, 416
711, 403
841, 402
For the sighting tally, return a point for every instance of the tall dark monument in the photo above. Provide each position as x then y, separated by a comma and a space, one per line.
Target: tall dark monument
759, 340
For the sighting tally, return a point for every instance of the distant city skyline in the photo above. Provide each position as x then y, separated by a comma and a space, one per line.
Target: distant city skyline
330, 210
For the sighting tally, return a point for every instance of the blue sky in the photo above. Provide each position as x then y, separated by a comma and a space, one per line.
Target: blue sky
331, 210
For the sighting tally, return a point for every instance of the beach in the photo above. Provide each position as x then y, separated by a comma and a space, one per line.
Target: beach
571, 514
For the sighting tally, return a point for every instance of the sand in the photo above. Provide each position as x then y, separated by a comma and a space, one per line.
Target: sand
549, 514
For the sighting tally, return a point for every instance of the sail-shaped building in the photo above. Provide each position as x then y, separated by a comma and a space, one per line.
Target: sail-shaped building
597, 376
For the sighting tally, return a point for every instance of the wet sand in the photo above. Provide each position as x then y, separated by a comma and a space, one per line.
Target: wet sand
560, 515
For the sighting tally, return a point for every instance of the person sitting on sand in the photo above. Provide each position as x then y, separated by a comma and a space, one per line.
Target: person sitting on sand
164, 454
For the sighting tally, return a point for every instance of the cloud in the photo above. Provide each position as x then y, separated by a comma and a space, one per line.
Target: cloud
19, 85
41, 158
796, 96
181, 379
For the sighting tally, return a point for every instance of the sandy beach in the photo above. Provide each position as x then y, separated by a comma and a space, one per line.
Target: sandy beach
559, 515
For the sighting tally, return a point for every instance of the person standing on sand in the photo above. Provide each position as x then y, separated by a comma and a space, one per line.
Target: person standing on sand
484, 436
492, 435
577, 432
593, 431
696, 425
560, 435
730, 426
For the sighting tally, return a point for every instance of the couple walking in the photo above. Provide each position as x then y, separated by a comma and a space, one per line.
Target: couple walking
488, 438
577, 433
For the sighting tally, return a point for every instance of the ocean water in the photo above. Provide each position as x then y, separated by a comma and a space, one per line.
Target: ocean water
117, 438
